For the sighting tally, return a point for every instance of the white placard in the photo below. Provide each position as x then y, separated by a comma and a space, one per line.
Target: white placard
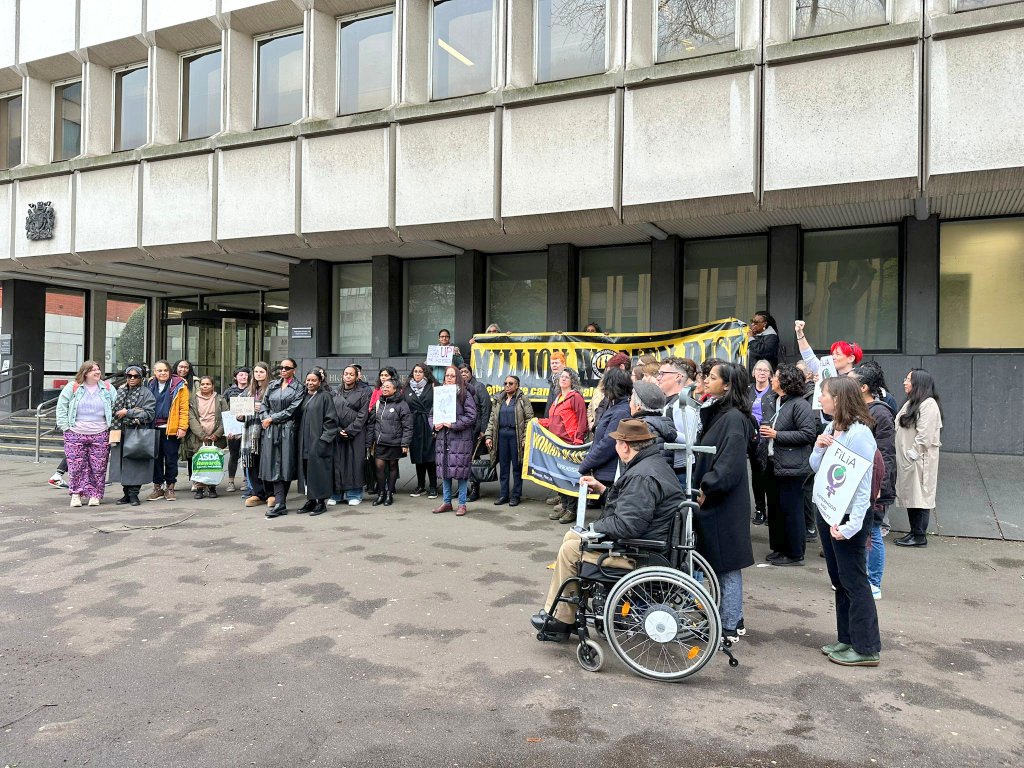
243, 406
828, 370
438, 355
837, 479
232, 426
444, 404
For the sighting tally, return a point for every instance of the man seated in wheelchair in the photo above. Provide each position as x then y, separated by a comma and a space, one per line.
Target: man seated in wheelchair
641, 504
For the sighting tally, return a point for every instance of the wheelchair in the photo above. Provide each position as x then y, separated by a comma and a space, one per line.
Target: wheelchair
660, 619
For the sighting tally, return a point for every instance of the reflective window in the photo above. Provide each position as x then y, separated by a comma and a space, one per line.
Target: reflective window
725, 277
429, 300
570, 38
517, 291
200, 95
852, 287
615, 288
64, 336
125, 332
365, 61
981, 278
970, 5
279, 66
275, 326
130, 108
820, 17
353, 301
695, 27
10, 132
67, 120
461, 50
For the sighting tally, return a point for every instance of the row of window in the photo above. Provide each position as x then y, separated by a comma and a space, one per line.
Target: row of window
851, 288
570, 40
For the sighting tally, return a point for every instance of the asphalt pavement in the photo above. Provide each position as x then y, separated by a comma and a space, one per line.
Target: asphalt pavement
388, 636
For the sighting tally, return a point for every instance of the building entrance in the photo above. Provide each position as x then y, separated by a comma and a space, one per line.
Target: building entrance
218, 342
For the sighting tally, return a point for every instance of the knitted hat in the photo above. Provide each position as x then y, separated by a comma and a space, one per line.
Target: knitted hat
650, 395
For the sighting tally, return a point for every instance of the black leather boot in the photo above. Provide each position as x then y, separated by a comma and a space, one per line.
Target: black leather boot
389, 498
381, 498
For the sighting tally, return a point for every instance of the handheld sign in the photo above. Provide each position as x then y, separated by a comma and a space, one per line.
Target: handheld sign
444, 404
232, 426
243, 406
438, 355
836, 482
828, 370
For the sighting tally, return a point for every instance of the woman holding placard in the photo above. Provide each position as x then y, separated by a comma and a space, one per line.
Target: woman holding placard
454, 440
251, 431
237, 389
845, 450
918, 427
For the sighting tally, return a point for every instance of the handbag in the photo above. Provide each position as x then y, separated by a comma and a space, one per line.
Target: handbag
138, 443
482, 470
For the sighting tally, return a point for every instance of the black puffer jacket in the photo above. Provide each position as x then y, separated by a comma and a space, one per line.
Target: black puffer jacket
662, 427
392, 421
795, 439
885, 438
643, 501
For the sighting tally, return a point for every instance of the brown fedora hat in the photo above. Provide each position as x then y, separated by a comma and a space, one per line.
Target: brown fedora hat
632, 431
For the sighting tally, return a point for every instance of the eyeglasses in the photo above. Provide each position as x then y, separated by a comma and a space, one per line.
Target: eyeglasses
510, 383
133, 376
659, 374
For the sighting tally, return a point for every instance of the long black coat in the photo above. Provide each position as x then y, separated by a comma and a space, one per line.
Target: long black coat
318, 428
422, 449
352, 406
133, 471
279, 460
483, 411
723, 522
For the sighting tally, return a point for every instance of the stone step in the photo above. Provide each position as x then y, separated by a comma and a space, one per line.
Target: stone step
45, 451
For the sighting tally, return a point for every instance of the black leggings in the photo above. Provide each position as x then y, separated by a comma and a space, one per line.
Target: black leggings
387, 474
234, 447
422, 472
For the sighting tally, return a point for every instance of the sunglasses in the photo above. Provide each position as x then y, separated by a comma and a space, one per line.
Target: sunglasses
286, 367
133, 376
510, 383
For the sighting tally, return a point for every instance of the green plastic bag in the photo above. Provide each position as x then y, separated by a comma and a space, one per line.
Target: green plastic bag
208, 465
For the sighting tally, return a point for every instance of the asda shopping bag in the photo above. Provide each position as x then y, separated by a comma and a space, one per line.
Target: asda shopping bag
208, 465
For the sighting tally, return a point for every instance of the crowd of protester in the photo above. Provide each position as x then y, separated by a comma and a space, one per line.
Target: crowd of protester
769, 421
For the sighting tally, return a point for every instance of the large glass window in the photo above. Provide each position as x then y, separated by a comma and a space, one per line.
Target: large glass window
67, 120
364, 63
570, 37
200, 95
10, 131
429, 300
461, 51
125, 332
726, 277
821, 17
695, 27
615, 288
130, 108
981, 283
852, 287
970, 5
353, 302
279, 77
275, 326
64, 336
517, 291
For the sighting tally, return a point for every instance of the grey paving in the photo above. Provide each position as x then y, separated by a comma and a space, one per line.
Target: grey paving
390, 636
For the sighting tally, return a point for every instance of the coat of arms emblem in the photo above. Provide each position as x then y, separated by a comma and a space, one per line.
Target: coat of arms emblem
39, 222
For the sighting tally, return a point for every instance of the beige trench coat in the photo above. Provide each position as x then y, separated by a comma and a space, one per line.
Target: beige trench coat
916, 478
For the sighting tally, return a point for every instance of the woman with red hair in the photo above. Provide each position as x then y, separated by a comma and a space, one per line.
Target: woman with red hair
845, 354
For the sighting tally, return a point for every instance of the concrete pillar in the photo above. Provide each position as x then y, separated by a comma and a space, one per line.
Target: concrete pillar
239, 79
416, 41
24, 320
309, 306
785, 280
37, 117
563, 287
97, 108
666, 283
921, 286
322, 33
164, 96
520, 43
96, 329
387, 306
470, 296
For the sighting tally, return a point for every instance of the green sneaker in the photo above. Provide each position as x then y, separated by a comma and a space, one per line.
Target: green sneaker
850, 658
835, 648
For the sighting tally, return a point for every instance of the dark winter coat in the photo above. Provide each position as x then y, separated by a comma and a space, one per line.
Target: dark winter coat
353, 407
796, 426
722, 523
392, 421
764, 346
524, 412
885, 438
422, 448
140, 415
483, 410
601, 460
455, 444
318, 428
643, 501
279, 442
662, 427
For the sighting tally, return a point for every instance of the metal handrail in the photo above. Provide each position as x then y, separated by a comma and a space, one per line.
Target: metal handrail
10, 375
48, 406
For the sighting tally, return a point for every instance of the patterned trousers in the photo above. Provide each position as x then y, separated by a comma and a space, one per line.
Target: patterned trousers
87, 463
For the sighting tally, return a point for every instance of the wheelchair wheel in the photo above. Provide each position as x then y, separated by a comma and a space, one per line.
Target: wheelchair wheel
590, 656
662, 624
702, 571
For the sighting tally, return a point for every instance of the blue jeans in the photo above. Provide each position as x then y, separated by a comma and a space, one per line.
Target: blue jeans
446, 490
353, 493
876, 556
732, 599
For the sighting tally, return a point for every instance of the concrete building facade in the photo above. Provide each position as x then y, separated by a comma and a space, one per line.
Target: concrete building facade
337, 179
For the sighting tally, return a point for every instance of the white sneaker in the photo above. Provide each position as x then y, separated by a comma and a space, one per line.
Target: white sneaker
76, 500
332, 503
57, 481
354, 502
94, 502
876, 592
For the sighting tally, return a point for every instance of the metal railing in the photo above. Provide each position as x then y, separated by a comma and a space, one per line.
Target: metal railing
16, 372
48, 407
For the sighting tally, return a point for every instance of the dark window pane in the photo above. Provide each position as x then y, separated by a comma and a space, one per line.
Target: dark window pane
67, 128
201, 95
570, 38
353, 304
280, 81
130, 108
724, 278
517, 291
615, 288
429, 302
10, 132
365, 58
852, 288
462, 47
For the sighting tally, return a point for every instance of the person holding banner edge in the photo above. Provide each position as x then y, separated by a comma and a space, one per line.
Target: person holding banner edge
567, 419
844, 543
